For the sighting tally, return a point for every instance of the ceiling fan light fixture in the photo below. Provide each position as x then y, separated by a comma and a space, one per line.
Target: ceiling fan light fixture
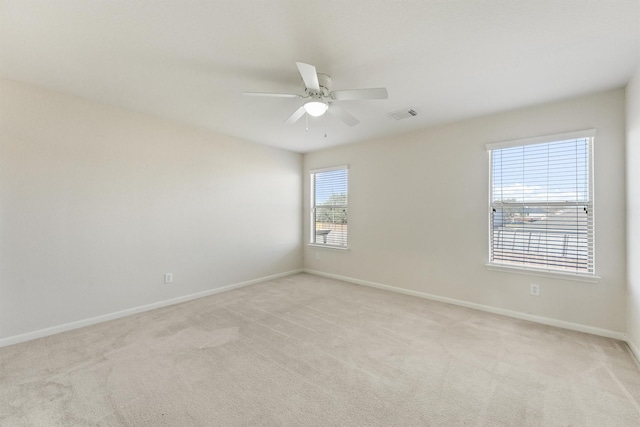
316, 108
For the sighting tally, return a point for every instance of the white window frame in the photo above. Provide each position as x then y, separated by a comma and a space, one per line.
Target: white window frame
322, 239
589, 276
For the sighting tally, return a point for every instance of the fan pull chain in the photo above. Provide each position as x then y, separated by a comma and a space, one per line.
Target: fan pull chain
325, 125
306, 128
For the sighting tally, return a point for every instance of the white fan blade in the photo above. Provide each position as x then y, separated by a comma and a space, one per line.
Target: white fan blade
275, 95
296, 115
360, 94
347, 118
309, 75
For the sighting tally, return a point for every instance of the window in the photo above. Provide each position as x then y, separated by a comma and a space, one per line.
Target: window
541, 214
329, 206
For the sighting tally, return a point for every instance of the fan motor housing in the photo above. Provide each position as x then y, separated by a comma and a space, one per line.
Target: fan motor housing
325, 81
325, 86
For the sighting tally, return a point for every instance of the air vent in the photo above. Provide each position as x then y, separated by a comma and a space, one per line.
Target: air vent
405, 113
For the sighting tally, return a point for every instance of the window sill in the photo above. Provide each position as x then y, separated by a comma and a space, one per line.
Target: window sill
544, 273
339, 248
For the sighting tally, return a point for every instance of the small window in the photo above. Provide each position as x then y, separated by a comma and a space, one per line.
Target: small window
329, 194
541, 203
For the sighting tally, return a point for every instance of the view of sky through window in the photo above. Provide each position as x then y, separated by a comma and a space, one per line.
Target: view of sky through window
549, 172
331, 183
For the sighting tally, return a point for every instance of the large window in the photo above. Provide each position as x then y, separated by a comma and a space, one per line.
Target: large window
329, 189
541, 213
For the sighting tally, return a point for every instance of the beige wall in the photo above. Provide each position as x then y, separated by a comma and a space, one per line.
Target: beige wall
97, 203
633, 212
418, 209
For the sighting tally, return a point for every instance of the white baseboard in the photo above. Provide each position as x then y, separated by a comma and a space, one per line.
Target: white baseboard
635, 351
495, 310
129, 311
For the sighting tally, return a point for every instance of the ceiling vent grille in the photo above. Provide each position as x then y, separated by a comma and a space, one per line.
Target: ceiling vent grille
404, 113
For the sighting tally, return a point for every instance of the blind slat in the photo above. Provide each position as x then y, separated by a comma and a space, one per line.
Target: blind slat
541, 205
329, 189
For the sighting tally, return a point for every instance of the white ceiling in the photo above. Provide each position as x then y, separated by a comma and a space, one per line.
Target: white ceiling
191, 60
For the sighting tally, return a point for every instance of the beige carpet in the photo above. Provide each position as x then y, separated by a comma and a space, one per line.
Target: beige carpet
306, 350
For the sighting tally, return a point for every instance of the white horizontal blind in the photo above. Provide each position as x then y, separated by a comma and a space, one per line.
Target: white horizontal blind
542, 205
329, 189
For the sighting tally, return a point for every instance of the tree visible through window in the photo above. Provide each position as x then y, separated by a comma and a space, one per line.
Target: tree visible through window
542, 203
329, 190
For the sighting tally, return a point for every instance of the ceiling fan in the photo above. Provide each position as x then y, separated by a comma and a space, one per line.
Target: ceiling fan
319, 98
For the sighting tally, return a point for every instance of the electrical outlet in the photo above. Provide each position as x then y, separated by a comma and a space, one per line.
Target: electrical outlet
534, 290
317, 255
168, 277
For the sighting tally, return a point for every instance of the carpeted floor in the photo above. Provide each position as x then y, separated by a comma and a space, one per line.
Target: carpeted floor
306, 350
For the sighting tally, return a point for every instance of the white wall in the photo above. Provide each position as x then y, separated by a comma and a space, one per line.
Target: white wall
418, 209
633, 212
97, 203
